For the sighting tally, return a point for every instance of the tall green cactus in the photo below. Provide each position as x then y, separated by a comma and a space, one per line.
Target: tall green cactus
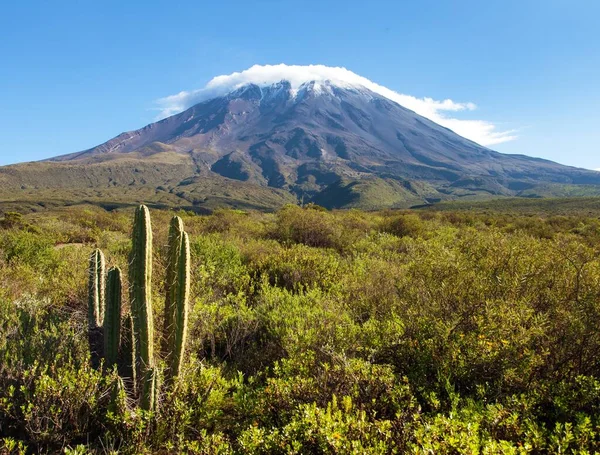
96, 297
140, 276
112, 317
177, 297
96, 289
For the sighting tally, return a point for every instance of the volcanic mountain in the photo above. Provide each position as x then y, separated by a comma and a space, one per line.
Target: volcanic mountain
261, 145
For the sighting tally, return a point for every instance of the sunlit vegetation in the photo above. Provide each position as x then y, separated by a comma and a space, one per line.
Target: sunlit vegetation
311, 331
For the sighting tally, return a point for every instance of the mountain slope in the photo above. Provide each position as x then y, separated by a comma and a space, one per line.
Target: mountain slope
338, 145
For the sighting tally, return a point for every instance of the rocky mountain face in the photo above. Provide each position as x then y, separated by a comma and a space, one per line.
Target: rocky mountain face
339, 146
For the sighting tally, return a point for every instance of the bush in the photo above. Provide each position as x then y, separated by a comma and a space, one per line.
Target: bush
404, 225
310, 226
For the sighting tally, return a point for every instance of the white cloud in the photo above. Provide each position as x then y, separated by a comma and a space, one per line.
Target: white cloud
480, 131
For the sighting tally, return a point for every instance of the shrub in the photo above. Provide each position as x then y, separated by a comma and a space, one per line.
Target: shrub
404, 225
312, 227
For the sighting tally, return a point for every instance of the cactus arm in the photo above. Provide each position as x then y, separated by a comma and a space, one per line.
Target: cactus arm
183, 293
140, 270
96, 289
175, 235
127, 355
112, 317
150, 390
118, 397
177, 297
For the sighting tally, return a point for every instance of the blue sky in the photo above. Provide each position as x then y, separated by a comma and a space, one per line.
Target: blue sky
74, 74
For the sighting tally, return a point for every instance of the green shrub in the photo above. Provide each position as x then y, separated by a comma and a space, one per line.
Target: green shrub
310, 226
404, 225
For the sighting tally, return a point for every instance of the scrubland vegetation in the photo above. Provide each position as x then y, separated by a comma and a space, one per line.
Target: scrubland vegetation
316, 332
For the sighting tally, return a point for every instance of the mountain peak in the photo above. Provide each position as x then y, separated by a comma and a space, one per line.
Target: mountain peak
329, 78
285, 89
295, 77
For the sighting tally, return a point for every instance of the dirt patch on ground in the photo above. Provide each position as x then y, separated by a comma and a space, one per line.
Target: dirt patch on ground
61, 246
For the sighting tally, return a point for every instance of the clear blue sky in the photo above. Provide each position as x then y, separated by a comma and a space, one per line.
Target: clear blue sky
74, 74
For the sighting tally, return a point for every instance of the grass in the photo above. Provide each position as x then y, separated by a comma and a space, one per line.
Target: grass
159, 176
575, 206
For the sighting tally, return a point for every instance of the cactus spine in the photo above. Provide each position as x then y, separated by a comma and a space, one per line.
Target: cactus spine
177, 297
140, 276
96, 289
112, 317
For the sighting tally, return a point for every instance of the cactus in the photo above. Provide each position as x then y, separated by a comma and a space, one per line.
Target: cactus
177, 297
150, 390
140, 275
96, 289
112, 317
118, 397
127, 356
131, 347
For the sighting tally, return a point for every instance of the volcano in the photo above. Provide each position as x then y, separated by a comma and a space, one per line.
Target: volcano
264, 144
